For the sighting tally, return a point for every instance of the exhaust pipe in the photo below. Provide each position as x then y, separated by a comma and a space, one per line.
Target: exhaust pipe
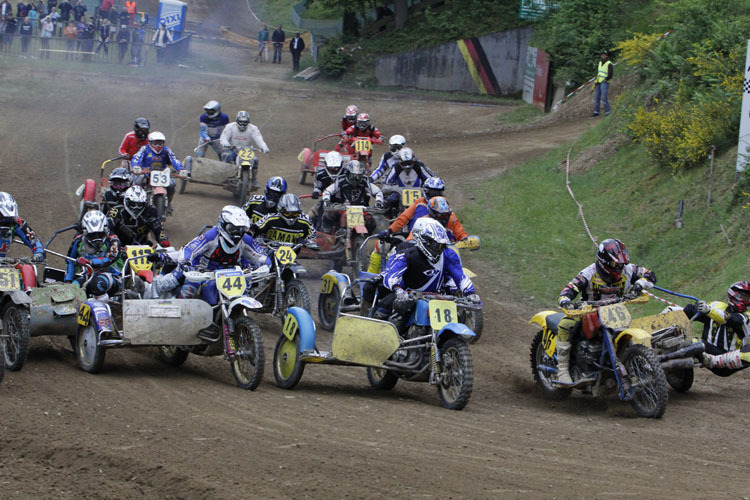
694, 349
677, 364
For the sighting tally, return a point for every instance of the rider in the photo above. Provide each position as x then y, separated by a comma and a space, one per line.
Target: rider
157, 156
355, 188
361, 129
350, 117
434, 186
324, 177
726, 330
119, 181
135, 140
407, 172
212, 123
94, 246
259, 206
11, 225
611, 276
288, 224
135, 219
395, 143
242, 134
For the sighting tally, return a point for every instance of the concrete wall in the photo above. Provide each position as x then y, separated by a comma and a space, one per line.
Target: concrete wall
491, 64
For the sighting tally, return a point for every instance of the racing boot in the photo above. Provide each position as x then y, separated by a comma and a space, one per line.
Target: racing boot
563, 363
732, 360
254, 179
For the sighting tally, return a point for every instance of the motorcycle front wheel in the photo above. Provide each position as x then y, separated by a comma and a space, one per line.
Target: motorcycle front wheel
2, 361
457, 374
160, 205
381, 379
328, 306
542, 378
89, 354
297, 295
244, 186
287, 366
248, 362
649, 383
681, 380
171, 354
16, 336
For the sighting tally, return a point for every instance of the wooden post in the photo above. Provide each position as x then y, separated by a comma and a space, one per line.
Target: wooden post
711, 175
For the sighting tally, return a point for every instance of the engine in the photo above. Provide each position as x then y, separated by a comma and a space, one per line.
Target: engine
587, 354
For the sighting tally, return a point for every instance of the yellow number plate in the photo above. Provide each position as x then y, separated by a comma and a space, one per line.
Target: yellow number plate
285, 255
549, 342
290, 326
231, 283
442, 312
246, 154
9, 279
355, 216
84, 315
141, 263
362, 146
615, 316
328, 283
409, 196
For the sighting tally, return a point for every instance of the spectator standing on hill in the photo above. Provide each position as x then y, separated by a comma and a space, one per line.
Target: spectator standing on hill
123, 39
114, 15
104, 36
79, 12
162, 37
70, 33
104, 7
137, 37
604, 73
50, 4
277, 38
296, 46
132, 9
33, 17
5, 9
262, 43
48, 27
55, 16
25, 30
123, 17
41, 8
10, 30
80, 28
64, 9
22, 10
88, 39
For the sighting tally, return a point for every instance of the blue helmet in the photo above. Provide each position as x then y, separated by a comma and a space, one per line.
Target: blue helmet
275, 188
434, 186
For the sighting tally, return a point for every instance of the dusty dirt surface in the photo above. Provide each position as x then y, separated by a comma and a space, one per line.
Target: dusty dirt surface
141, 429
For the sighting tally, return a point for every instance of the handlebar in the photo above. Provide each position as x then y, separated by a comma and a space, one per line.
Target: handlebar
584, 307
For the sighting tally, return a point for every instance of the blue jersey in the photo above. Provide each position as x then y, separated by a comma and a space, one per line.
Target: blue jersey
411, 270
147, 158
211, 128
206, 252
386, 161
22, 230
103, 257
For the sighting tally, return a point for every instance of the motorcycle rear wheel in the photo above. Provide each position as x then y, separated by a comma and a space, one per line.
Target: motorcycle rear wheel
244, 186
681, 380
2, 361
302, 177
248, 363
457, 381
171, 354
89, 354
183, 186
650, 396
159, 204
328, 305
543, 380
287, 367
380, 379
297, 295
15, 336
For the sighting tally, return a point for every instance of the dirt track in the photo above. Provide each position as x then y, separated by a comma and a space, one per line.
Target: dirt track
143, 430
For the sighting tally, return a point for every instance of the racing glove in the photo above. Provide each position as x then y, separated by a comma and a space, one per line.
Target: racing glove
265, 151
474, 298
384, 234
315, 195
83, 261
565, 303
38, 257
164, 243
136, 169
184, 173
379, 204
702, 307
402, 295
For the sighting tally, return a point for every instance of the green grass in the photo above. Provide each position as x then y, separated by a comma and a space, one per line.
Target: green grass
275, 12
523, 113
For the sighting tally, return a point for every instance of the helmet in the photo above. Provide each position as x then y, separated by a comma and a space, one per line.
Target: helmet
95, 229
434, 186
141, 128
611, 258
233, 224
275, 188
156, 140
355, 173
290, 208
430, 238
739, 295
351, 113
212, 108
243, 120
120, 180
8, 212
135, 200
363, 121
333, 163
439, 209
396, 142
405, 158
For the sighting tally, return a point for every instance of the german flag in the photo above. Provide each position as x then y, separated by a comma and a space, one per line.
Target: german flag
479, 67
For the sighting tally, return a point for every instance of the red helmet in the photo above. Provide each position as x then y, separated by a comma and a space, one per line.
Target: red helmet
611, 258
363, 121
739, 295
351, 113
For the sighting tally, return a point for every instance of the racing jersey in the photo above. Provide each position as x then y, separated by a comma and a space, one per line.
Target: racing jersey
206, 252
592, 286
233, 136
21, 229
133, 231
454, 228
110, 199
412, 178
387, 161
256, 208
274, 227
343, 192
130, 144
723, 331
211, 128
147, 158
411, 270
322, 181
100, 258
351, 134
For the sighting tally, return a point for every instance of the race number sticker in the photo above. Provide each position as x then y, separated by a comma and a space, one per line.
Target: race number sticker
615, 316
290, 326
355, 216
138, 254
246, 154
285, 255
160, 178
328, 283
362, 146
442, 312
9, 279
409, 196
549, 342
231, 283
84, 315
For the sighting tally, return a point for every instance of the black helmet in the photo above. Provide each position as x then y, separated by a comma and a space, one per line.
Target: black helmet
611, 259
141, 128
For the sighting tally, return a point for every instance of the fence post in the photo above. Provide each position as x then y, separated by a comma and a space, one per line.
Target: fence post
711, 175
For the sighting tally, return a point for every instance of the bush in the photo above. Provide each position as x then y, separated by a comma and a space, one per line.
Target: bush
334, 60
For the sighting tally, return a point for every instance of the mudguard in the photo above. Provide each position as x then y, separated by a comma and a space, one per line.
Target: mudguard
457, 329
300, 323
19, 297
305, 156
637, 335
333, 279
243, 301
293, 271
422, 313
540, 318
96, 313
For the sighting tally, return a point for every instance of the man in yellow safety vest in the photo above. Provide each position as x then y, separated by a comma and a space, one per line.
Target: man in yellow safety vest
604, 74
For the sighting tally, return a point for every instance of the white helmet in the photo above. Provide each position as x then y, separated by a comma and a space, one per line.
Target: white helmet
396, 142
355, 173
430, 237
233, 224
243, 120
135, 200
154, 138
95, 228
406, 157
333, 163
212, 108
8, 213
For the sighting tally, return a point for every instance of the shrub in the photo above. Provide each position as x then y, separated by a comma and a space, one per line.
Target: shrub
334, 60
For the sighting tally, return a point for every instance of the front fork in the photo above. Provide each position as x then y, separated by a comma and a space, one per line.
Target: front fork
621, 373
435, 370
228, 332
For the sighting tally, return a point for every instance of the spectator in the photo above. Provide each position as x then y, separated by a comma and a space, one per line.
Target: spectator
114, 15
5, 9
103, 36
137, 37
50, 4
604, 73
80, 27
383, 11
41, 9
26, 29
10, 31
79, 12
123, 39
104, 7
48, 28
162, 37
55, 17
123, 17
33, 17
131, 8
22, 10
277, 38
262, 43
64, 8
88, 39
70, 33
296, 46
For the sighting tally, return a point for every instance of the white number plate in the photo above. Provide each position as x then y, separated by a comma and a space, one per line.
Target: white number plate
164, 311
160, 178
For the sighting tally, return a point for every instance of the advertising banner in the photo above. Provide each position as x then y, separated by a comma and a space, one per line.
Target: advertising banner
743, 147
172, 13
529, 75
